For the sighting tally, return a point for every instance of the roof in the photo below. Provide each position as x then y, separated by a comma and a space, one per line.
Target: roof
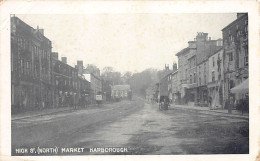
242, 87
183, 51
245, 15
121, 87
166, 73
213, 53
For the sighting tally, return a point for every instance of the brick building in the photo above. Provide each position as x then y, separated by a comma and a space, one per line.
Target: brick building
31, 84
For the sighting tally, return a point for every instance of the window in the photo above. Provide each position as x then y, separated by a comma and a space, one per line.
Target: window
27, 68
230, 56
190, 79
21, 65
231, 84
194, 77
231, 38
213, 61
213, 76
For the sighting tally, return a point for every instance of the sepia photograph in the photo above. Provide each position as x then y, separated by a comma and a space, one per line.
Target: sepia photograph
130, 83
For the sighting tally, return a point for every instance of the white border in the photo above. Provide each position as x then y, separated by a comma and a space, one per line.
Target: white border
130, 7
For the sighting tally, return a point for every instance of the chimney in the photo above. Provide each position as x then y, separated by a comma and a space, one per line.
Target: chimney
174, 67
80, 66
240, 15
64, 60
40, 30
166, 67
55, 55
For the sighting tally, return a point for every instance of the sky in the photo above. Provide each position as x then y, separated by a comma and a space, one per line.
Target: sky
126, 42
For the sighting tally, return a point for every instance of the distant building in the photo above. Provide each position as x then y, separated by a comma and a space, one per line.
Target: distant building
121, 91
235, 55
106, 90
31, 84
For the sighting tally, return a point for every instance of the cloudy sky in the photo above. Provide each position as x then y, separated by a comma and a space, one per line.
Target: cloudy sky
127, 42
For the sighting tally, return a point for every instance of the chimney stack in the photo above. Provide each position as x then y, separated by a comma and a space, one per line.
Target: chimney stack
64, 60
80, 66
174, 67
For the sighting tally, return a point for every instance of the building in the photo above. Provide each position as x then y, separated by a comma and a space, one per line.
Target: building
121, 92
205, 48
215, 79
235, 56
65, 82
191, 66
183, 71
84, 89
165, 82
31, 81
106, 90
95, 85
193, 69
175, 89
202, 90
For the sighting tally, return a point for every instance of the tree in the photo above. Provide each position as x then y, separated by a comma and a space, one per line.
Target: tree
141, 81
91, 68
112, 76
126, 77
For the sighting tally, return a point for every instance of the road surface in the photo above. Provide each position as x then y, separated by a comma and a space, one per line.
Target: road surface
137, 127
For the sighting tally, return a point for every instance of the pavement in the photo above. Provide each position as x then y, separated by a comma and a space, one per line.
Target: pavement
48, 111
219, 112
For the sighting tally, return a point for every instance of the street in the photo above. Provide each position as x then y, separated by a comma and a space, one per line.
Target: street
136, 125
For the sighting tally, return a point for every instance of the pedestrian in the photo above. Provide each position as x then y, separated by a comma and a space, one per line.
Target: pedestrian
210, 100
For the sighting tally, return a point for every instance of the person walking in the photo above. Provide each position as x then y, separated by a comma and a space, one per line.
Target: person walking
210, 101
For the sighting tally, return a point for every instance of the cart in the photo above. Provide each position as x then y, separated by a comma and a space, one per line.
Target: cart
164, 103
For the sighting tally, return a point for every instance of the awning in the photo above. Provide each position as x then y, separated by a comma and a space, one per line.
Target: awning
241, 88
